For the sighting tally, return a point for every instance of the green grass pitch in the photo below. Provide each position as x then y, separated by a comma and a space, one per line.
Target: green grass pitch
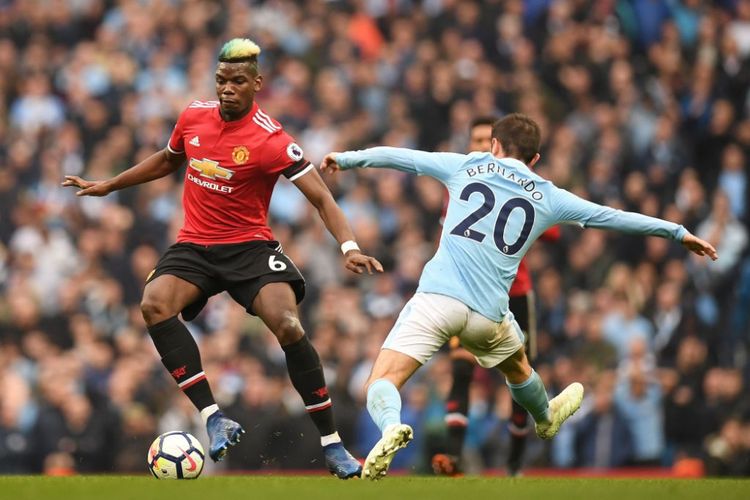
391, 488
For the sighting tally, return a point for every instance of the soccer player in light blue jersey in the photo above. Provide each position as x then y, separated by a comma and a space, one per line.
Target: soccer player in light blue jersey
497, 208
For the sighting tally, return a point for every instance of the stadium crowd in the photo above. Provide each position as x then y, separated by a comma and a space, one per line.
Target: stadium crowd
644, 105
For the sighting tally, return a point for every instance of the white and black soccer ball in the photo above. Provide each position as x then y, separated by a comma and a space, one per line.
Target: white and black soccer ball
175, 455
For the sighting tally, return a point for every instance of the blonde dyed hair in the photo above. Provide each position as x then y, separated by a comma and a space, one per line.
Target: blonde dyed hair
239, 50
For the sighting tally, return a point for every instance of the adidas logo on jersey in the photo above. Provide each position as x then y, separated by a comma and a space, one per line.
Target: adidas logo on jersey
195, 141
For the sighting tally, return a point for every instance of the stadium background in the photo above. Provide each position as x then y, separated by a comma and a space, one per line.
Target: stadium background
644, 105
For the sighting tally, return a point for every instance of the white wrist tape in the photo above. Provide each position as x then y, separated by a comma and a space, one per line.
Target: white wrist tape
349, 245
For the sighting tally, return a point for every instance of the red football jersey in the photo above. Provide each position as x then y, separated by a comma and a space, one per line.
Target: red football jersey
232, 168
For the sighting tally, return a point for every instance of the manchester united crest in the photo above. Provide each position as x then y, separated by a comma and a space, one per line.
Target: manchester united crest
240, 154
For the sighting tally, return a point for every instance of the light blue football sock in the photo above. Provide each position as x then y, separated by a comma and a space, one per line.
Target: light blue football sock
532, 395
384, 403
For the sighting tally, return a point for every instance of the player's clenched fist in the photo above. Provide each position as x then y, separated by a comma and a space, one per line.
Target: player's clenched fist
87, 188
329, 163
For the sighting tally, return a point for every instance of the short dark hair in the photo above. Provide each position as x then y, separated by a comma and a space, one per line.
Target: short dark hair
250, 62
519, 136
482, 120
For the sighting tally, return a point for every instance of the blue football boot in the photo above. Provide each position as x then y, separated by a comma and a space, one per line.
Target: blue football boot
223, 433
340, 462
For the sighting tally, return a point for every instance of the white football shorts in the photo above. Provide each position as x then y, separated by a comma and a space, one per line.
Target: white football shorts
429, 320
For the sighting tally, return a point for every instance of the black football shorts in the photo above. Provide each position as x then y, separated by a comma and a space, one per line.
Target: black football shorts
241, 269
523, 308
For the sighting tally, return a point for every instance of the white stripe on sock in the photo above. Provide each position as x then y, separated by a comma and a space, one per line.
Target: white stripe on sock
191, 379
319, 405
330, 439
208, 411
456, 418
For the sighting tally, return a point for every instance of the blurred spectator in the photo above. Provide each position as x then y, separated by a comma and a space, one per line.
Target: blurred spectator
17, 417
728, 450
733, 179
644, 105
36, 108
686, 421
727, 234
638, 397
622, 325
670, 322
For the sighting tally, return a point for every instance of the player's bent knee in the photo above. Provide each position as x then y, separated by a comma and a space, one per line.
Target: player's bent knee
155, 311
394, 367
289, 329
516, 368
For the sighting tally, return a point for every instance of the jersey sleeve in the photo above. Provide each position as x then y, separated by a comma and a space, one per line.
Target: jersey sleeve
286, 157
569, 208
176, 142
441, 166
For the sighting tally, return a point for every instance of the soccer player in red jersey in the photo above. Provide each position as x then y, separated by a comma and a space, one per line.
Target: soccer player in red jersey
521, 304
235, 153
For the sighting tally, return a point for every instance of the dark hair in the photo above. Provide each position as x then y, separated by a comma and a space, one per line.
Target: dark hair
482, 120
519, 136
252, 63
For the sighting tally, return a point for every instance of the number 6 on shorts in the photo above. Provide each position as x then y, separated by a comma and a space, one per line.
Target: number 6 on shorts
276, 265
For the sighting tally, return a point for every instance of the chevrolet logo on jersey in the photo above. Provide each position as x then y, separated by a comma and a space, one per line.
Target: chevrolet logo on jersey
210, 169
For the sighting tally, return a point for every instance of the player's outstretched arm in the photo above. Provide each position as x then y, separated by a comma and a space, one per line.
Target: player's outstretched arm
570, 208
157, 165
438, 165
316, 191
378, 157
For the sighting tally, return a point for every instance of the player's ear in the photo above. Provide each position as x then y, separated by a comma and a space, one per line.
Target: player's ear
534, 160
258, 82
496, 148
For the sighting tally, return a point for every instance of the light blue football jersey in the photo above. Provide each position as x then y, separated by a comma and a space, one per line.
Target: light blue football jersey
497, 208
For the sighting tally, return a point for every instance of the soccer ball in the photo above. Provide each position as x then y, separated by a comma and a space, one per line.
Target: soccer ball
175, 455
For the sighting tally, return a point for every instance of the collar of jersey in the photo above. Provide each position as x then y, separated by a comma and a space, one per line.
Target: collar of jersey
513, 162
242, 121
